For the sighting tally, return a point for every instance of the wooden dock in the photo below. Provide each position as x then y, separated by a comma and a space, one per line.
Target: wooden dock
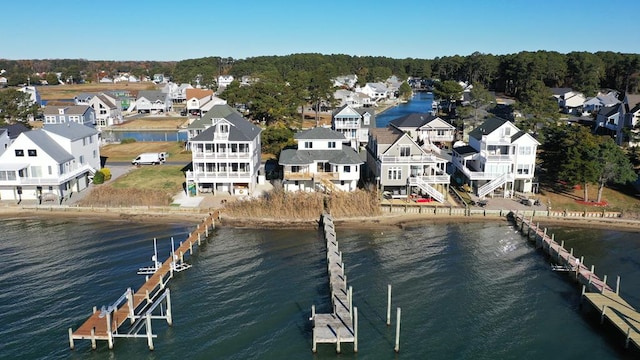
600, 295
341, 325
138, 306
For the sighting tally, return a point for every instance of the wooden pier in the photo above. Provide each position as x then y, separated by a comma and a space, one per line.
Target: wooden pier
600, 295
141, 306
341, 325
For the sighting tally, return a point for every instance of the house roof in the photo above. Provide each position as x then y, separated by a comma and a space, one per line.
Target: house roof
219, 111
84, 96
70, 130
319, 133
152, 95
487, 127
68, 110
107, 101
560, 91
14, 130
198, 93
49, 146
345, 156
241, 129
414, 120
385, 136
465, 150
610, 110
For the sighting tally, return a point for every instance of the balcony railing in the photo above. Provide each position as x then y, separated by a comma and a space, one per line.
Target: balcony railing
496, 158
390, 159
289, 175
221, 155
51, 180
199, 175
435, 179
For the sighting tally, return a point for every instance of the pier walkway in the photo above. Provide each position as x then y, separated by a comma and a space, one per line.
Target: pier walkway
600, 295
341, 325
138, 306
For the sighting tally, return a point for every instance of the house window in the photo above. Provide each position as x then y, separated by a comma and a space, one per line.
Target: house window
523, 169
347, 168
50, 170
224, 128
394, 174
332, 144
507, 131
295, 169
524, 150
441, 132
95, 154
366, 120
308, 145
36, 171
81, 159
19, 152
405, 150
32, 152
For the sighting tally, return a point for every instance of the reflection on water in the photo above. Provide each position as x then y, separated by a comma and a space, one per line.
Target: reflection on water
467, 291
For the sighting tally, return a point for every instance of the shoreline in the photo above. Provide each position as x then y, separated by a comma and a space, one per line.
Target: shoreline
375, 222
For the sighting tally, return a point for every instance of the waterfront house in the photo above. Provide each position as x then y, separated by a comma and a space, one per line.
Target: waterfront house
616, 121
354, 124
322, 161
151, 101
49, 163
80, 114
199, 101
500, 158
106, 109
83, 99
375, 91
34, 94
346, 81
429, 131
569, 101
594, 104
226, 152
402, 168
177, 93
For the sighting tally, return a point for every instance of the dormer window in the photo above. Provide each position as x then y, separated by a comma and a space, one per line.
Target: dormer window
366, 119
507, 131
224, 128
60, 111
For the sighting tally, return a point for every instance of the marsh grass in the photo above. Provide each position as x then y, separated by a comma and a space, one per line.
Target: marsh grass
280, 204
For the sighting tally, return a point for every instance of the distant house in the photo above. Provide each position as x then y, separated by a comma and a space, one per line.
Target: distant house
400, 167
5, 141
151, 101
106, 80
3, 82
376, 91
594, 104
569, 101
322, 162
177, 93
107, 111
224, 81
199, 101
346, 81
499, 157
428, 130
159, 79
354, 124
14, 130
80, 114
34, 94
83, 99
49, 163
619, 119
226, 150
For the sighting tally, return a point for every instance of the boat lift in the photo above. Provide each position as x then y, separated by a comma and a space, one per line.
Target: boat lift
177, 262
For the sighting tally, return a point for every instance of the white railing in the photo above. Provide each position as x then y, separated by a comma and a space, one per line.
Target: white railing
417, 181
197, 176
408, 159
494, 184
49, 180
221, 155
497, 158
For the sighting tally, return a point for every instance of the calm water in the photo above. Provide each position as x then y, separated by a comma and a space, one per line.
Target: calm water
467, 291
150, 135
420, 103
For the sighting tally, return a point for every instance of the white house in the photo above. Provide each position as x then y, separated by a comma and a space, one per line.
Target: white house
400, 167
594, 104
34, 94
322, 162
376, 91
199, 101
80, 114
346, 81
354, 124
4, 140
499, 155
569, 101
49, 163
226, 152
83, 99
177, 93
429, 131
224, 81
107, 111
151, 101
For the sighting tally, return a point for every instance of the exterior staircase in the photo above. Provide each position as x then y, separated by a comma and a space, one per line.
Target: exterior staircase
424, 186
493, 184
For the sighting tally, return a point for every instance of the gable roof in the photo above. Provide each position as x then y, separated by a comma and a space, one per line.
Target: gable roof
70, 130
218, 111
14, 130
241, 129
385, 136
49, 146
610, 110
319, 133
106, 100
487, 127
68, 110
198, 93
345, 156
152, 95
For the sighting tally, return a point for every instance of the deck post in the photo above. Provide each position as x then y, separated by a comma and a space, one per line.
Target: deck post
338, 340
313, 341
355, 329
584, 289
604, 308
388, 304
313, 313
169, 316
109, 333
397, 348
351, 301
626, 341
149, 334
618, 285
71, 344
553, 238
94, 309
562, 244
593, 269
590, 275
571, 252
199, 240
604, 284
544, 236
181, 256
147, 296
130, 304
93, 338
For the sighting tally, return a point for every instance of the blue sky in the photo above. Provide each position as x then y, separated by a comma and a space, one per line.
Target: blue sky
178, 30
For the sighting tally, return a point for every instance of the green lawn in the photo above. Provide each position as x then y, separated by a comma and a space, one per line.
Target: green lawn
158, 177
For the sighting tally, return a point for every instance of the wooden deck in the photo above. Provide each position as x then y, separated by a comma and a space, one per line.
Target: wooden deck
98, 326
597, 292
341, 325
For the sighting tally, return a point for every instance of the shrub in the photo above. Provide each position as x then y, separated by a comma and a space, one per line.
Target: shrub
127, 141
98, 178
107, 173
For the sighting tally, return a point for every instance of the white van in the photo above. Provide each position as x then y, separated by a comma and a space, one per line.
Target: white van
149, 158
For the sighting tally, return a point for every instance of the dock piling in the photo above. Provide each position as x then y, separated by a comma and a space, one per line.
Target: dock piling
388, 304
397, 348
355, 329
71, 344
109, 333
604, 283
169, 317
604, 308
149, 333
93, 338
618, 285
